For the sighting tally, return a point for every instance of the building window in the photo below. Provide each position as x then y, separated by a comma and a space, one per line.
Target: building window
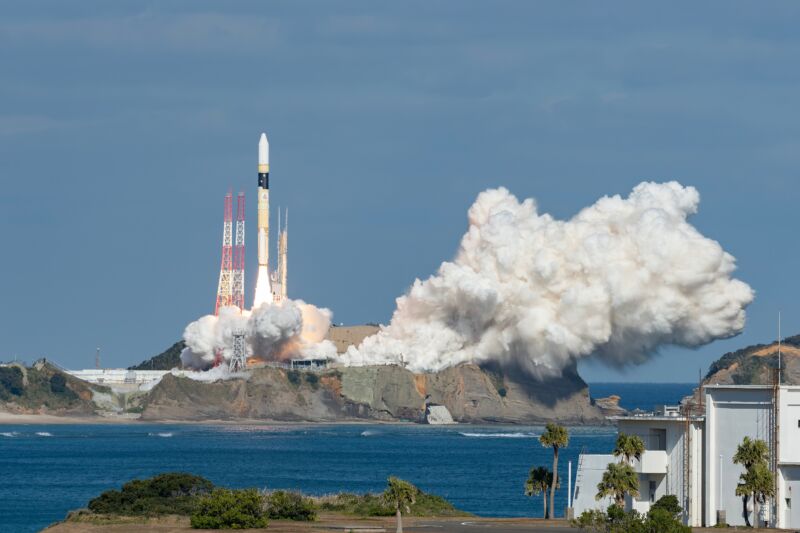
652, 491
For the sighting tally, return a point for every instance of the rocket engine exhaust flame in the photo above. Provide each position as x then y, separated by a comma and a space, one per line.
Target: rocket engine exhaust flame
263, 288
620, 279
291, 329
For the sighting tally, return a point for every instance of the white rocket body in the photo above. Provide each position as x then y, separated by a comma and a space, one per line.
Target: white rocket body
263, 201
263, 289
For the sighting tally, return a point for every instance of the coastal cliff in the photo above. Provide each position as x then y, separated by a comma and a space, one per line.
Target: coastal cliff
385, 393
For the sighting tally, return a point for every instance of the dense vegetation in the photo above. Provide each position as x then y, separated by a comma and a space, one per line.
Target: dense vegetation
166, 360
44, 386
230, 509
10, 382
663, 517
289, 505
170, 493
217, 508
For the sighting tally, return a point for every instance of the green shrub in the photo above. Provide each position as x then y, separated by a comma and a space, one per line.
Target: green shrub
668, 503
170, 493
293, 376
230, 509
617, 520
58, 383
10, 382
312, 379
290, 505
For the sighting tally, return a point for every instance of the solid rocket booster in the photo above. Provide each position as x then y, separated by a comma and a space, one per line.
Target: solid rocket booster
263, 201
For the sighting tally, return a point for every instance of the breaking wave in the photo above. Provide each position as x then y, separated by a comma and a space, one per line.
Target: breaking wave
44, 434
165, 434
514, 435
10, 434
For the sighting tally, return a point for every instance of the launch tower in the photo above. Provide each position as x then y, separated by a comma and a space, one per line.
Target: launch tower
238, 256
224, 294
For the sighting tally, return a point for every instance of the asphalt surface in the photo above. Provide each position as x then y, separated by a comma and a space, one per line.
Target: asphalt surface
471, 526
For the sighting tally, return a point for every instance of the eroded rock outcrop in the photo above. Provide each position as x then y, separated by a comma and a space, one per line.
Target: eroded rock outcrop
470, 393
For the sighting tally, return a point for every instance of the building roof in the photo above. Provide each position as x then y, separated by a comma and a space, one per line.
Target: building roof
650, 417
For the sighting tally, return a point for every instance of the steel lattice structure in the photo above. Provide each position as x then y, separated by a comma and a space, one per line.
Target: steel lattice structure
224, 295
238, 362
237, 283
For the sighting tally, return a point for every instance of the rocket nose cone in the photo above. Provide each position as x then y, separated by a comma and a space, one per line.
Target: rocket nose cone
263, 150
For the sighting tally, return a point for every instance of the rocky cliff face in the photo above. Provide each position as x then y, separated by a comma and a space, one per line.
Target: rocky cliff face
470, 393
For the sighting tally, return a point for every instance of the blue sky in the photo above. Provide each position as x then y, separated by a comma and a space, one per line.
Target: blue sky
123, 124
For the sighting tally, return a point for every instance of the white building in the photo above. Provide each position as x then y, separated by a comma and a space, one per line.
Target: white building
692, 457
734, 412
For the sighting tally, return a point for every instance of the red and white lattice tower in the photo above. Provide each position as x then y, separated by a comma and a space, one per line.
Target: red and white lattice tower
237, 287
226, 268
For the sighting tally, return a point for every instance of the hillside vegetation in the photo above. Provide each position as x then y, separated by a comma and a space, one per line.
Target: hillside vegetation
43, 388
753, 365
209, 506
166, 360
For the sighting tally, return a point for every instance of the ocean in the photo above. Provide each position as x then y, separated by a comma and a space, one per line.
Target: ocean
47, 470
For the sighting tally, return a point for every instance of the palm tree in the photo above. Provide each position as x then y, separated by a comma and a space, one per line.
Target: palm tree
400, 495
629, 447
756, 481
555, 437
619, 479
539, 480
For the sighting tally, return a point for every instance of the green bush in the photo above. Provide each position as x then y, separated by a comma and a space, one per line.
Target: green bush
290, 505
58, 383
617, 520
10, 382
668, 503
293, 376
230, 509
170, 493
312, 379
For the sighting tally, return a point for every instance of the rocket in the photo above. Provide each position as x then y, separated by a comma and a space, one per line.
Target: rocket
263, 202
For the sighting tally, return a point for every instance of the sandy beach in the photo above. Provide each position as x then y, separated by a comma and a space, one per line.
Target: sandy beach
14, 418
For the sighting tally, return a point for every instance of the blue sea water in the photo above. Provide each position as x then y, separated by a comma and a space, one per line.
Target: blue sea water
644, 396
47, 470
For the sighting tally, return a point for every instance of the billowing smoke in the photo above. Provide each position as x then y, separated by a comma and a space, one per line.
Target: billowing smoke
620, 279
272, 332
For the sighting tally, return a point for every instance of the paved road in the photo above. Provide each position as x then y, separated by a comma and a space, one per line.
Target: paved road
500, 526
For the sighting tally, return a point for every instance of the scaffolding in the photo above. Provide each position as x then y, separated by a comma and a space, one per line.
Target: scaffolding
238, 362
224, 295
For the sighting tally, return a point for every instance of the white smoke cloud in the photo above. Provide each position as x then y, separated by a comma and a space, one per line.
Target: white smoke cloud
620, 279
272, 332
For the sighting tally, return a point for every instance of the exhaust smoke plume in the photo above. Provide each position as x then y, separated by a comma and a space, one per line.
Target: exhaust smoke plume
282, 331
617, 281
